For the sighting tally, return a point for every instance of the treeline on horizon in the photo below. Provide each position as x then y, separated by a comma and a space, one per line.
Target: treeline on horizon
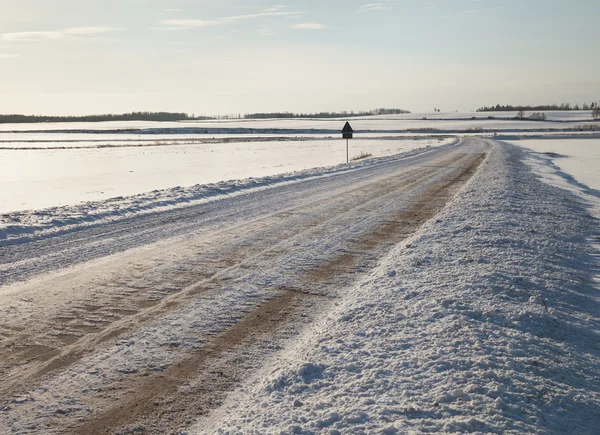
549, 107
173, 116
133, 116
343, 114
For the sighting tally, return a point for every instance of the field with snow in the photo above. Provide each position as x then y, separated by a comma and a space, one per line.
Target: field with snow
58, 164
238, 277
41, 178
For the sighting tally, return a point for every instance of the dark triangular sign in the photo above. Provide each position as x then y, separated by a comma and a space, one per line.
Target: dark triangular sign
347, 128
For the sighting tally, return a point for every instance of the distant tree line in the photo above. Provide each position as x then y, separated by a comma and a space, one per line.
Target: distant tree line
343, 114
549, 107
535, 116
133, 116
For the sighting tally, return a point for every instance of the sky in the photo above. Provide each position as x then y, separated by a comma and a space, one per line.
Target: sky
209, 57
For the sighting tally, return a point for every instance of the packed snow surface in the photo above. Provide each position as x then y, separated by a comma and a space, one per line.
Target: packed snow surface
486, 321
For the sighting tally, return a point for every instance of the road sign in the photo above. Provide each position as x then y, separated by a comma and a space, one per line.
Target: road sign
347, 131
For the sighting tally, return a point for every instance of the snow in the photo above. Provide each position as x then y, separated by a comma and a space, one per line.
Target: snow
76, 392
487, 320
26, 225
36, 179
463, 120
56, 164
579, 158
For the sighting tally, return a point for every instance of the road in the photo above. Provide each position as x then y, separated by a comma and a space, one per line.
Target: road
146, 324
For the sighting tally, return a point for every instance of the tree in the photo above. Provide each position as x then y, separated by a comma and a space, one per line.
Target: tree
537, 116
596, 113
521, 114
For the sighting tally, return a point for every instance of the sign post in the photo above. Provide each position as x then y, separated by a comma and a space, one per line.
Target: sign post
347, 133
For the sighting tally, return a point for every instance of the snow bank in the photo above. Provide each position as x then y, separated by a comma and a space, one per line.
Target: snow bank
486, 321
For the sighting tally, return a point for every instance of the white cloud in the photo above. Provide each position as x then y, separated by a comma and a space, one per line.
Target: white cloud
309, 26
9, 56
190, 24
90, 30
32, 36
369, 7
55, 35
276, 8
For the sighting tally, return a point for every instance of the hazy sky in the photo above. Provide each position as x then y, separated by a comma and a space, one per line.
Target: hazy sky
226, 56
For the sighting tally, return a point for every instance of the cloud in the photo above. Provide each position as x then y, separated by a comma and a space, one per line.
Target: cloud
369, 7
55, 35
32, 36
191, 24
90, 30
9, 56
309, 26
276, 8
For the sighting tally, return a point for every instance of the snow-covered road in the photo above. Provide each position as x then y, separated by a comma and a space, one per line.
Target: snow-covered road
487, 320
148, 321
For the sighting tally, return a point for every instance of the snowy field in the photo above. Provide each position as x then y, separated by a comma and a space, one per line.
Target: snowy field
578, 157
487, 120
57, 164
41, 178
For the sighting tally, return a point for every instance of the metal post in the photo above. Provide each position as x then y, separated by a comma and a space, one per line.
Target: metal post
347, 155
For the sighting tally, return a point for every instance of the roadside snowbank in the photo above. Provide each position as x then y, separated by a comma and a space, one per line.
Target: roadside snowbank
487, 320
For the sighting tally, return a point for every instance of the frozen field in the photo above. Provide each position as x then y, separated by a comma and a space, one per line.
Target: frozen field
56, 164
41, 178
486, 120
578, 157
